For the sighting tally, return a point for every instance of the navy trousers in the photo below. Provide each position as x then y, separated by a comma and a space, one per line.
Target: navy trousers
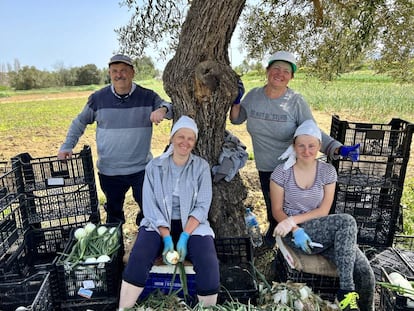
115, 189
201, 252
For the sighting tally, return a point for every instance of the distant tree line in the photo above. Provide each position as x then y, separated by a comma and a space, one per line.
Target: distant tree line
20, 77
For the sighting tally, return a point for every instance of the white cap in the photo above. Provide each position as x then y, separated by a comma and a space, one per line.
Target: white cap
283, 56
184, 122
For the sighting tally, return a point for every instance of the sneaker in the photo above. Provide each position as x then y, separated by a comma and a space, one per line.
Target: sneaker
349, 302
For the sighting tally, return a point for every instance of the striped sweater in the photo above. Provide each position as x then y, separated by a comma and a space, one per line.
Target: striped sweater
123, 128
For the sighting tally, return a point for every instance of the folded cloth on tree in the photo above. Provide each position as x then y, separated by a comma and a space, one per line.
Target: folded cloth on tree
232, 158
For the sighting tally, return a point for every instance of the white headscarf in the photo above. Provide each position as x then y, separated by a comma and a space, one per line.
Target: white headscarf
308, 127
182, 122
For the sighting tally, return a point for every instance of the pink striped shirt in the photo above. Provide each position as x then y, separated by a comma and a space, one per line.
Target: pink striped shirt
298, 200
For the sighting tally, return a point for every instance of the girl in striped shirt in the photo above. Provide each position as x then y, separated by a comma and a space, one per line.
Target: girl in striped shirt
302, 191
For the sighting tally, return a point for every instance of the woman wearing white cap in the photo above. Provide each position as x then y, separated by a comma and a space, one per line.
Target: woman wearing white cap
177, 195
273, 113
302, 192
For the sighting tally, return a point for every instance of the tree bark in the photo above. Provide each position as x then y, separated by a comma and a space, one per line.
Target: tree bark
202, 85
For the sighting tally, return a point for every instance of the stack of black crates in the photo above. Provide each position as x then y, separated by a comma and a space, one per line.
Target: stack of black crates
369, 189
42, 200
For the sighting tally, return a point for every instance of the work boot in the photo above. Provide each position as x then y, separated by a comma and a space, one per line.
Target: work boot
348, 302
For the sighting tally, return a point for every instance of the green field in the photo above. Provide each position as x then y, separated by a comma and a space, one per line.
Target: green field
38, 126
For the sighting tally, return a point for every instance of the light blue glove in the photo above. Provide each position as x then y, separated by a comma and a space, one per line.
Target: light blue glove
351, 152
302, 240
182, 245
241, 92
168, 247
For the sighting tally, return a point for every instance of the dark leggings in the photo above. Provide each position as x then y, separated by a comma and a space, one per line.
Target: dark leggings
265, 185
338, 235
201, 253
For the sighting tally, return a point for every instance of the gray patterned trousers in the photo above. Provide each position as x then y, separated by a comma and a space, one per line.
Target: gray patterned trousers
338, 235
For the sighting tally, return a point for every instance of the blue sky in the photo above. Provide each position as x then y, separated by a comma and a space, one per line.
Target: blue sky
49, 34
70, 32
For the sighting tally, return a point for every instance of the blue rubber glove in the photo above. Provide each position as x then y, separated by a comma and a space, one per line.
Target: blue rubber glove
182, 245
168, 247
351, 152
302, 240
241, 92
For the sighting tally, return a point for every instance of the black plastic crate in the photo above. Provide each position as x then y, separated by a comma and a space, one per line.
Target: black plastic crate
376, 210
59, 206
105, 277
237, 276
324, 286
38, 252
100, 304
32, 292
371, 189
391, 300
399, 260
372, 172
10, 185
376, 139
399, 257
48, 172
234, 251
4, 167
12, 226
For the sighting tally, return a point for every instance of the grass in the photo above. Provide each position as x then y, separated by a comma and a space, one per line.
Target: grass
376, 100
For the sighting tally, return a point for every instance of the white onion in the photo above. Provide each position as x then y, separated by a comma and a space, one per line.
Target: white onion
399, 280
172, 257
101, 230
89, 227
90, 260
103, 258
80, 233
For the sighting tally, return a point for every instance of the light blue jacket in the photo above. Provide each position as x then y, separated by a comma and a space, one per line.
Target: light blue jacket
195, 193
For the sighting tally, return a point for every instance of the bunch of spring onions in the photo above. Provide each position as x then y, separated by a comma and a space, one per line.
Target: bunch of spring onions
94, 245
292, 296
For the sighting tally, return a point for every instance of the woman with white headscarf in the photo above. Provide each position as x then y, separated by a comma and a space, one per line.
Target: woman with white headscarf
177, 195
302, 191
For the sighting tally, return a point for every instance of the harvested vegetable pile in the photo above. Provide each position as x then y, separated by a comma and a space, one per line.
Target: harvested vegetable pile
279, 297
93, 245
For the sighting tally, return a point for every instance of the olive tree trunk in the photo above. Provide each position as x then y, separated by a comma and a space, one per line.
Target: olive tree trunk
202, 85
